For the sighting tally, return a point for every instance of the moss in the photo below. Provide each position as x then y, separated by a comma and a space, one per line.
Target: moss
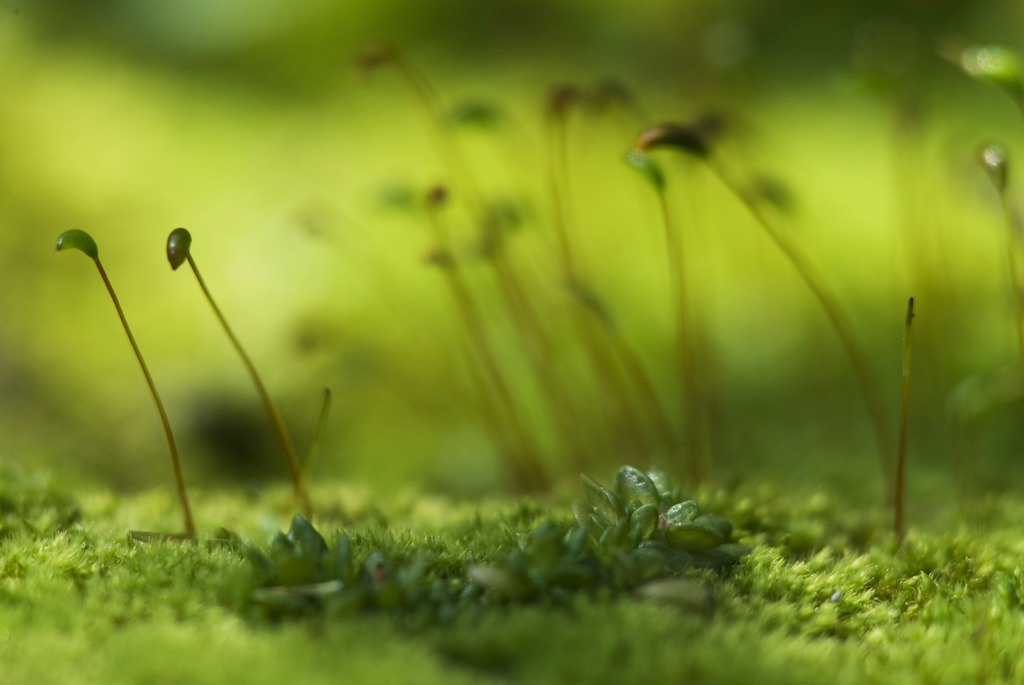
27, 501
83, 602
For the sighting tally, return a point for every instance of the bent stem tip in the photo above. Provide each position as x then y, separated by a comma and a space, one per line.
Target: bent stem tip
78, 240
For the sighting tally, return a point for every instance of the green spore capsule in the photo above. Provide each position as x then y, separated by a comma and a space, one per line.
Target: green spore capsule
179, 243
78, 240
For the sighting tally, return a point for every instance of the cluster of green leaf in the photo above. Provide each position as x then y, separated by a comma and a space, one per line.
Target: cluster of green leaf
300, 573
642, 531
647, 512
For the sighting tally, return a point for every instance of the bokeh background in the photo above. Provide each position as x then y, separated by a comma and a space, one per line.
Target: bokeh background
302, 181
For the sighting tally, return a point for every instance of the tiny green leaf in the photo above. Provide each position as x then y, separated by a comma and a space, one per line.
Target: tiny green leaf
344, 568
684, 512
605, 503
545, 544
576, 541
717, 522
660, 480
581, 512
282, 546
648, 562
178, 244
643, 523
263, 566
79, 240
726, 554
677, 559
693, 536
654, 543
648, 168
309, 541
719, 556
616, 536
635, 488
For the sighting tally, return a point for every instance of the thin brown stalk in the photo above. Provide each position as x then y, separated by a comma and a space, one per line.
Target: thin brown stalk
534, 340
284, 440
179, 481
526, 466
1013, 247
685, 354
868, 384
898, 527
595, 340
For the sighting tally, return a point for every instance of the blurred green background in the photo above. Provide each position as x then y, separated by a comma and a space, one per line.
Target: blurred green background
301, 182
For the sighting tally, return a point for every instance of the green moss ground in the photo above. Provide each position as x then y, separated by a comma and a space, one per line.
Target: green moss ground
824, 597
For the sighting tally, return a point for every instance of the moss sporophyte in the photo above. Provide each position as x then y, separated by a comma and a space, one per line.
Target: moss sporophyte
179, 244
82, 241
698, 140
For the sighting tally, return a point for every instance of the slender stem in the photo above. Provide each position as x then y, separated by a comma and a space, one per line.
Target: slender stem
869, 386
538, 349
652, 405
190, 527
523, 316
527, 467
1012, 250
451, 156
530, 473
534, 339
684, 343
318, 432
615, 390
904, 397
634, 368
558, 181
280, 431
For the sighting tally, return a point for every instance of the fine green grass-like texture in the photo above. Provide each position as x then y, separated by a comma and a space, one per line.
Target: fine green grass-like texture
823, 596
